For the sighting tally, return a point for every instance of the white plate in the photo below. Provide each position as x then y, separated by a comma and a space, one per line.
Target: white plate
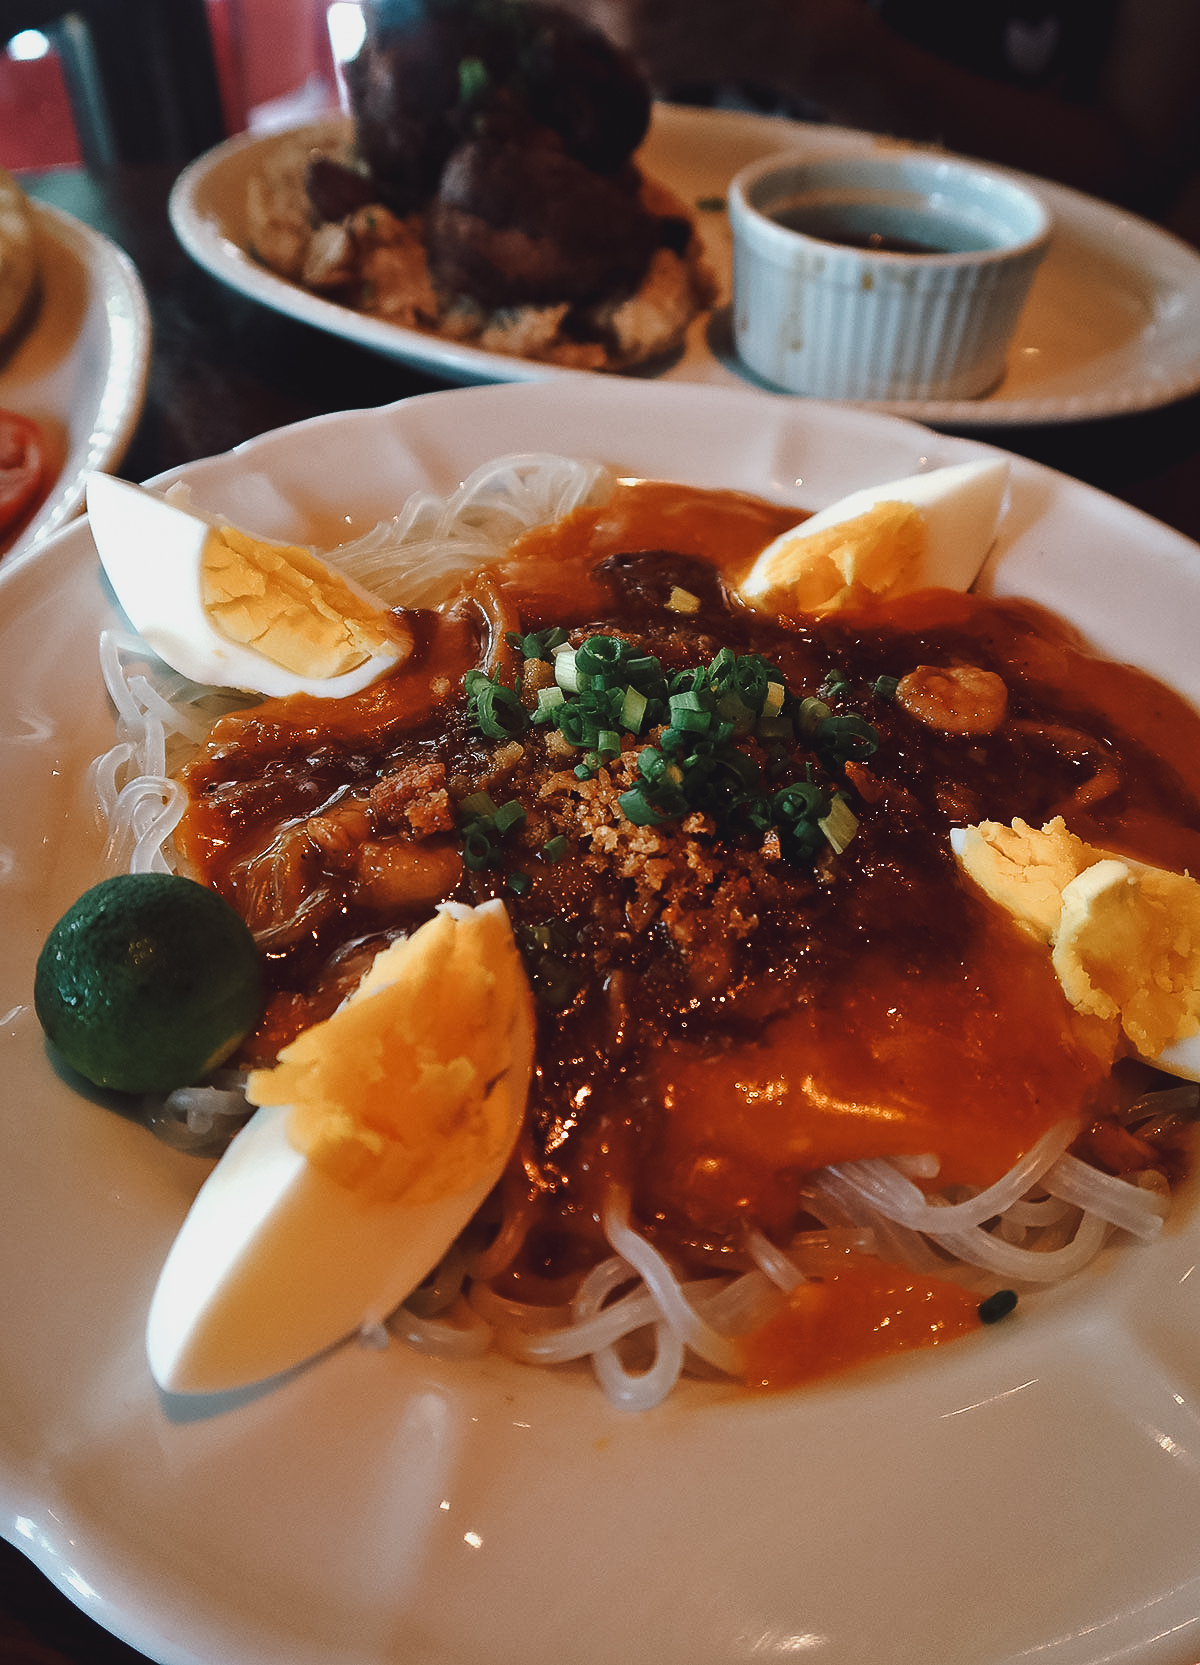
1109, 327
1032, 1489
79, 368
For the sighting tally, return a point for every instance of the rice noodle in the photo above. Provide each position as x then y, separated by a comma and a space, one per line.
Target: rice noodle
980, 1248
1138, 1212
461, 1334
898, 1199
161, 718
416, 559
659, 1279
778, 1266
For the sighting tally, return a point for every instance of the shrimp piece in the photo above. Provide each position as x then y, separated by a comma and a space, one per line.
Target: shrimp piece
957, 699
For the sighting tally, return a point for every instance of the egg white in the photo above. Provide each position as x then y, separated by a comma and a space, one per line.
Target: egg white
276, 1262
961, 505
151, 552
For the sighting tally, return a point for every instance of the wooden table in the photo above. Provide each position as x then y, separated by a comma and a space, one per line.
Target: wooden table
226, 369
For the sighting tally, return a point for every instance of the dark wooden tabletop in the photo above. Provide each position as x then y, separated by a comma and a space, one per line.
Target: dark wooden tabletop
225, 369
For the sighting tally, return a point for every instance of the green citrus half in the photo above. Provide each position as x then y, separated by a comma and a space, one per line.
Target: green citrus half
148, 982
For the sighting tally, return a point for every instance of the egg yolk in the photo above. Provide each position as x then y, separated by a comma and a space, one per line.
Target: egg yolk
289, 606
402, 1094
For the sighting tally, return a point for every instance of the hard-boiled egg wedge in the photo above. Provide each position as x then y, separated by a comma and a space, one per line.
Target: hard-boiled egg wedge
1124, 937
929, 529
234, 611
381, 1131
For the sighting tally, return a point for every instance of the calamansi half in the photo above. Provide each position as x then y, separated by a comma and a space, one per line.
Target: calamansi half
148, 982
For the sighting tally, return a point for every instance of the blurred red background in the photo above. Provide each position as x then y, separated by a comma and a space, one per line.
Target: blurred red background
273, 58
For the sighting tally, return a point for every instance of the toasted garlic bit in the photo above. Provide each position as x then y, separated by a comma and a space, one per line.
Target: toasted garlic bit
958, 699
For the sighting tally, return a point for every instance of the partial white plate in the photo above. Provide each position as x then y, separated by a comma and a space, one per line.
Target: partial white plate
79, 368
1110, 325
1034, 1490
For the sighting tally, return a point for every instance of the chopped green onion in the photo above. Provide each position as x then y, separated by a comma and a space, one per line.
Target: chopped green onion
811, 715
636, 807
477, 807
774, 728
734, 709
564, 670
574, 724
884, 687
548, 701
511, 814
751, 679
518, 883
840, 740
496, 708
839, 825
538, 644
687, 718
600, 656
603, 690
477, 849
633, 709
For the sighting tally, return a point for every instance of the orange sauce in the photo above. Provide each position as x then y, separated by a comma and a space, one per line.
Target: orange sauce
865, 1311
781, 1017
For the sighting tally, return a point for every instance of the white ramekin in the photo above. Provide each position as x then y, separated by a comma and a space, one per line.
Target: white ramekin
814, 316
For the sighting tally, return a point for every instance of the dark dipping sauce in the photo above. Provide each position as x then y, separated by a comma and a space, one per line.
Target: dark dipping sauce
856, 227
714, 1020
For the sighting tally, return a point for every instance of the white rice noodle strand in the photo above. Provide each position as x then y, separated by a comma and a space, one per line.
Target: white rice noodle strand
459, 1334
893, 1242
774, 1262
1123, 1205
585, 1334
898, 1199
981, 1248
137, 803
705, 1341
417, 559
145, 814
516, 1317
641, 1390
737, 1306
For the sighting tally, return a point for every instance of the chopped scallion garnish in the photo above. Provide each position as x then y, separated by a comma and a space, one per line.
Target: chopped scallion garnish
695, 717
564, 670
839, 825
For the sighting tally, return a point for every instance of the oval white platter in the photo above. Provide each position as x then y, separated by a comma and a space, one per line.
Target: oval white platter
1109, 326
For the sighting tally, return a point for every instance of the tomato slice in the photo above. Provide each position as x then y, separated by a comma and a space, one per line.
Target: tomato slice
20, 465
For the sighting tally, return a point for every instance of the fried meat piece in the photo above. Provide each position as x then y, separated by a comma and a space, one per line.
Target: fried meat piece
429, 73
520, 222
